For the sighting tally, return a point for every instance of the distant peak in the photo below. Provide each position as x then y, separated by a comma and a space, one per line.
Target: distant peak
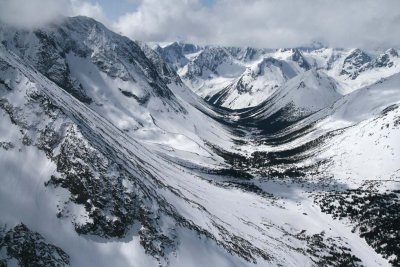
392, 52
299, 58
357, 51
359, 55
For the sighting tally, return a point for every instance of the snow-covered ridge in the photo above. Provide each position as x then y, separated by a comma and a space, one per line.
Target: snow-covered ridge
131, 87
231, 77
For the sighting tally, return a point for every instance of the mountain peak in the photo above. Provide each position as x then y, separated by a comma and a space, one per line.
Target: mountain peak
392, 52
354, 61
298, 57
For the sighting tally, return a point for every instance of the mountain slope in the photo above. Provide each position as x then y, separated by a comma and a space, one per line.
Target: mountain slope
103, 186
298, 98
121, 82
110, 159
256, 84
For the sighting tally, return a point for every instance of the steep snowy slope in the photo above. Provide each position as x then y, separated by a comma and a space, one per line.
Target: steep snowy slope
256, 84
369, 149
299, 97
96, 181
110, 181
118, 80
360, 124
364, 154
104, 185
210, 70
347, 156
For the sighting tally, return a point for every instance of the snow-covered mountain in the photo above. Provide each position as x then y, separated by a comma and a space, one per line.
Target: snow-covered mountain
238, 78
300, 97
108, 157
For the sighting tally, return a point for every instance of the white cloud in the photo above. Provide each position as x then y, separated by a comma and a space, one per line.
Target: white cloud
87, 9
267, 23
260, 23
32, 13
35, 13
157, 20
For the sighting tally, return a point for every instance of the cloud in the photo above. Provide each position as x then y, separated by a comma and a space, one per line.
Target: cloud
36, 13
88, 9
267, 23
165, 20
32, 13
259, 23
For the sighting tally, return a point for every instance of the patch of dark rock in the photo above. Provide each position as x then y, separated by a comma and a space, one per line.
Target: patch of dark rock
389, 109
248, 187
48, 140
376, 217
142, 100
327, 251
6, 145
30, 249
5, 84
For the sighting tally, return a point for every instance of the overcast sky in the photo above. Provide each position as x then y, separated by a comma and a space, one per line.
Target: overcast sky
260, 23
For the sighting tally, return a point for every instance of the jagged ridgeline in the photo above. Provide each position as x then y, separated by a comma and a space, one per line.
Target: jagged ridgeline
116, 153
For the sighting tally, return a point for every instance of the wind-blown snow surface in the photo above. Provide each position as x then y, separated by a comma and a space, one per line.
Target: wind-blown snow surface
109, 158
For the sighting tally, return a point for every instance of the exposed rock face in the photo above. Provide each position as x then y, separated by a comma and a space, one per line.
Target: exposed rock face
385, 59
174, 55
117, 56
163, 68
299, 58
354, 62
30, 249
208, 62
